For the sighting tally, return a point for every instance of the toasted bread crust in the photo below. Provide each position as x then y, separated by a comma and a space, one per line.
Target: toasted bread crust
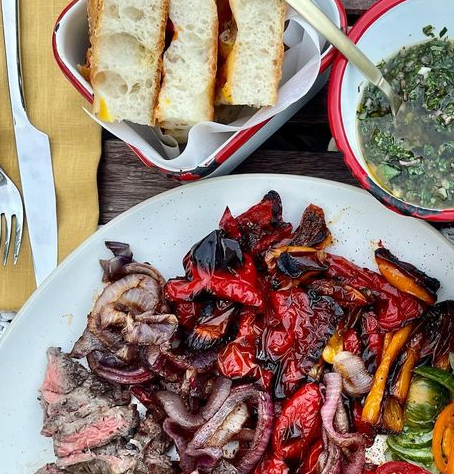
235, 72
280, 49
159, 71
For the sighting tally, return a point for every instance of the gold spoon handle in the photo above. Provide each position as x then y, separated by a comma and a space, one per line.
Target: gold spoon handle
314, 16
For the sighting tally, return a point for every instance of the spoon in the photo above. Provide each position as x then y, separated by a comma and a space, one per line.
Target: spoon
312, 14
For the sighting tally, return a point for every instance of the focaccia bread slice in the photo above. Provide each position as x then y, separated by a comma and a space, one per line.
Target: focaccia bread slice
127, 40
189, 69
252, 69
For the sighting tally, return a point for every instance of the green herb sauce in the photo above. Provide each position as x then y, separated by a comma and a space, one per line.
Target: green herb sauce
412, 155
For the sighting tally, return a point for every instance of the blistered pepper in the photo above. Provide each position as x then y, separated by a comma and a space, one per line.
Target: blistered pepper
372, 340
352, 342
395, 308
404, 372
372, 406
260, 226
299, 424
298, 327
334, 346
406, 277
239, 284
310, 463
272, 465
238, 358
393, 415
360, 426
400, 467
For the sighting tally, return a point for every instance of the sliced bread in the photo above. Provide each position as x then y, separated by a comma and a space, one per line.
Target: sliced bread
252, 70
127, 40
189, 69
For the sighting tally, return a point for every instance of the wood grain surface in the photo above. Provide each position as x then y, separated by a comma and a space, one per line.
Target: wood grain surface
124, 181
356, 7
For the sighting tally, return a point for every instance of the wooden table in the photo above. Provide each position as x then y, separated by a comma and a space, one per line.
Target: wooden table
299, 147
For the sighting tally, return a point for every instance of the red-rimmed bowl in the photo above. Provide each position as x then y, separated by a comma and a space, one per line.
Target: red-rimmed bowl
70, 40
380, 33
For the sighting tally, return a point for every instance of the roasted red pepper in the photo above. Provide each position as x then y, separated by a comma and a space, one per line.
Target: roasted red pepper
217, 266
360, 426
345, 295
372, 340
229, 224
238, 358
298, 327
299, 424
312, 230
310, 463
251, 323
352, 343
395, 308
187, 313
272, 465
212, 324
400, 467
260, 226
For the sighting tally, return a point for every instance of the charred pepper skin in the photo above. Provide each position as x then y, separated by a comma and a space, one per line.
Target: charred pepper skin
299, 424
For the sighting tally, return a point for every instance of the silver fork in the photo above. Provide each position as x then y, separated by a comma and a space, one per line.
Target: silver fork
11, 207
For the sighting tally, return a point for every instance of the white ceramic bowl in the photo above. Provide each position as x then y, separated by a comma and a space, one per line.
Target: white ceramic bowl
380, 33
70, 41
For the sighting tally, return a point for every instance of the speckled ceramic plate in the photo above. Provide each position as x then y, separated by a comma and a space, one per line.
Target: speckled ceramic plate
161, 230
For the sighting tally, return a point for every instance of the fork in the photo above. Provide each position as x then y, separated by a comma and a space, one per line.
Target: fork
10, 207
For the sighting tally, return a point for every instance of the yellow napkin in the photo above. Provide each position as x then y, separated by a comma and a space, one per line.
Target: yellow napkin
55, 108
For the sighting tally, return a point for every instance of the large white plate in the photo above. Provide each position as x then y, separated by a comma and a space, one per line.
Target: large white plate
161, 230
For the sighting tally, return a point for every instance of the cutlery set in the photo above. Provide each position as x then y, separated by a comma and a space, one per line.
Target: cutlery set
35, 166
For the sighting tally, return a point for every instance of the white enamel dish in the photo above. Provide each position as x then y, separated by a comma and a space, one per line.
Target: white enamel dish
160, 231
69, 43
380, 33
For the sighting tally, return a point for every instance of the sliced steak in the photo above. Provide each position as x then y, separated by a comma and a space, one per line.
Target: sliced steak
158, 465
50, 469
74, 400
91, 396
93, 423
90, 463
62, 374
95, 430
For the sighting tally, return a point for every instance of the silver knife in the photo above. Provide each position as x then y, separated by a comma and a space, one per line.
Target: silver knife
34, 156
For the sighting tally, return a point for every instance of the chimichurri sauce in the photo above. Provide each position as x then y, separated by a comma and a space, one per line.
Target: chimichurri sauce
412, 155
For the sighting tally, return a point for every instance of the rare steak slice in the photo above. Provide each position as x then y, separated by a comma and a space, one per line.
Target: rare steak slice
97, 429
94, 426
69, 392
62, 376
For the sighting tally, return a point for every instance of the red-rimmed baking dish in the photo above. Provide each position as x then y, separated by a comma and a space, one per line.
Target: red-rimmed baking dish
380, 33
70, 40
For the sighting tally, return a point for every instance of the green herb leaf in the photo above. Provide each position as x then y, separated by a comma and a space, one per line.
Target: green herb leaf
429, 31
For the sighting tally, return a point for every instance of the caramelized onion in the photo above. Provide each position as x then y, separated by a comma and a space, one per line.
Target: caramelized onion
148, 328
262, 432
351, 444
356, 380
177, 412
101, 364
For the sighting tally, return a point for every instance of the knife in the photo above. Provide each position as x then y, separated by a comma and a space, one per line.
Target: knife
34, 156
